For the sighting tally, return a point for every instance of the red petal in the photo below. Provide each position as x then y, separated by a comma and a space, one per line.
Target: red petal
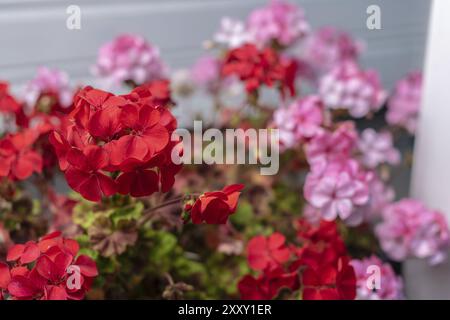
232, 188
15, 252
96, 157
88, 267
47, 268
5, 275
21, 287
104, 123
31, 253
26, 164
56, 293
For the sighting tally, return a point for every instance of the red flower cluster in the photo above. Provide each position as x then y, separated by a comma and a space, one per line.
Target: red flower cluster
320, 267
7, 102
118, 143
269, 256
257, 67
46, 270
328, 274
215, 207
18, 160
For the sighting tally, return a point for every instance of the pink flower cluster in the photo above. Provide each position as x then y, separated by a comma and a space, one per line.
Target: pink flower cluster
349, 87
404, 103
300, 121
129, 58
331, 145
328, 47
49, 82
409, 229
205, 72
337, 188
377, 148
389, 287
232, 33
278, 21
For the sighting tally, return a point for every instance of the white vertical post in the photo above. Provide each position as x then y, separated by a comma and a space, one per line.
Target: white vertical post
431, 169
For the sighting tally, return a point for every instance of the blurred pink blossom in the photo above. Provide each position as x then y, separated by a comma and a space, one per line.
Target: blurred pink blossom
129, 57
205, 72
232, 33
409, 229
280, 21
348, 87
48, 81
404, 103
328, 46
330, 145
390, 285
380, 196
377, 148
300, 121
337, 188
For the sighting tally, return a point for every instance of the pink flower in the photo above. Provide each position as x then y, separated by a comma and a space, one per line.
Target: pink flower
328, 47
205, 72
300, 121
380, 196
279, 21
232, 33
409, 229
404, 103
129, 58
377, 148
348, 87
390, 285
48, 82
337, 188
327, 145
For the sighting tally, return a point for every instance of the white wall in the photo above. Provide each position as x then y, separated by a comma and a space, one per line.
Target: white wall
431, 174
33, 32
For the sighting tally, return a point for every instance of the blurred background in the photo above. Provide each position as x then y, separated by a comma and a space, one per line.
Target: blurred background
34, 32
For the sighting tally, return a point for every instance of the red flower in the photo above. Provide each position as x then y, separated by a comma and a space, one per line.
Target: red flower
42, 270
322, 244
85, 176
147, 136
17, 160
329, 282
267, 253
7, 102
117, 144
156, 93
257, 67
215, 207
267, 285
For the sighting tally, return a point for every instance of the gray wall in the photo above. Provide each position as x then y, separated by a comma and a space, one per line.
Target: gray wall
33, 32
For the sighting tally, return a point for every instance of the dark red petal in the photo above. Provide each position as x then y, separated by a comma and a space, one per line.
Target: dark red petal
75, 178
107, 184
90, 189
144, 184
